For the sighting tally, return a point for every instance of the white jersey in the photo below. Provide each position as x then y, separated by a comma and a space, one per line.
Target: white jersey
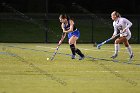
121, 24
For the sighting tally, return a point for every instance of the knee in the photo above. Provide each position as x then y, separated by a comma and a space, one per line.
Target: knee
69, 42
116, 41
126, 44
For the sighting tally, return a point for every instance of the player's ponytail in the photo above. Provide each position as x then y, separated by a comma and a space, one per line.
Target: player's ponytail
117, 14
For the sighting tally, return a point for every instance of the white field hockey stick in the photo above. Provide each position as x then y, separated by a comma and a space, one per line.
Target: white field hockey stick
59, 43
99, 45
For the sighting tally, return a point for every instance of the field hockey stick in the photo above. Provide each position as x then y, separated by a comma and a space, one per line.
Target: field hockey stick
58, 45
99, 45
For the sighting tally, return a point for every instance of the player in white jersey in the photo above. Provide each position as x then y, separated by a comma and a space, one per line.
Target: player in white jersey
122, 25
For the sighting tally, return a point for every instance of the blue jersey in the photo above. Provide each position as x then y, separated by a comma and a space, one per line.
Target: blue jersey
75, 31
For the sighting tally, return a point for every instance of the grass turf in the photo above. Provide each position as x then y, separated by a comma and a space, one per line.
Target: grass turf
24, 68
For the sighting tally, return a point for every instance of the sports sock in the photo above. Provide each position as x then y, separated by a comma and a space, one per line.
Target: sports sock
129, 50
72, 47
116, 48
79, 52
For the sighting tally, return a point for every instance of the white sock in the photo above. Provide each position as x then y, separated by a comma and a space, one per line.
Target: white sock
117, 48
129, 50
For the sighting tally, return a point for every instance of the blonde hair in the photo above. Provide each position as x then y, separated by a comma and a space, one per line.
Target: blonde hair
117, 14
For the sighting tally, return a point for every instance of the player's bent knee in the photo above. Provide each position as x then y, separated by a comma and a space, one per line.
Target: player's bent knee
71, 42
126, 44
116, 42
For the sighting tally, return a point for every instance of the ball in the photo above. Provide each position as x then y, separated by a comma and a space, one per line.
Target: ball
47, 58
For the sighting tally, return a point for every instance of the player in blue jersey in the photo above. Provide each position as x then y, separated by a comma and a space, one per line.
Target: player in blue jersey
73, 35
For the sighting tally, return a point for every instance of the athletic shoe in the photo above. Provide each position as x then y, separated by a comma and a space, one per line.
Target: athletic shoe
114, 56
131, 56
73, 57
81, 57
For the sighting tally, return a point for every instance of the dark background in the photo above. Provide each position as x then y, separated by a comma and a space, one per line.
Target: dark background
66, 6
37, 20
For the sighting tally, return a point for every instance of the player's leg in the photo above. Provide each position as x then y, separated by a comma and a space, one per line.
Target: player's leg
125, 41
72, 41
117, 42
117, 47
128, 47
78, 51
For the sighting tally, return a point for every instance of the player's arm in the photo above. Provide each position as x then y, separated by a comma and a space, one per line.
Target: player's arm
129, 24
115, 31
71, 27
62, 26
63, 35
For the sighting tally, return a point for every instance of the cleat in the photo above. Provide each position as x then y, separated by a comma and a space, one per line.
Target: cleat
131, 57
81, 57
73, 57
114, 56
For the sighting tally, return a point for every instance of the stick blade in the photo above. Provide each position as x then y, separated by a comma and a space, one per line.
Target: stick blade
99, 46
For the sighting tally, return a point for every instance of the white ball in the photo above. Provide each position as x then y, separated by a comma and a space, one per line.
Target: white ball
47, 58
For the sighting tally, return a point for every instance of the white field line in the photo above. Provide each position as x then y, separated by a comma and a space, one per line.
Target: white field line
109, 71
103, 71
45, 47
89, 49
67, 48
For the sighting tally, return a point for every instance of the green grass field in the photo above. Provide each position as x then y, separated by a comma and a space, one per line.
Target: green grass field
24, 68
